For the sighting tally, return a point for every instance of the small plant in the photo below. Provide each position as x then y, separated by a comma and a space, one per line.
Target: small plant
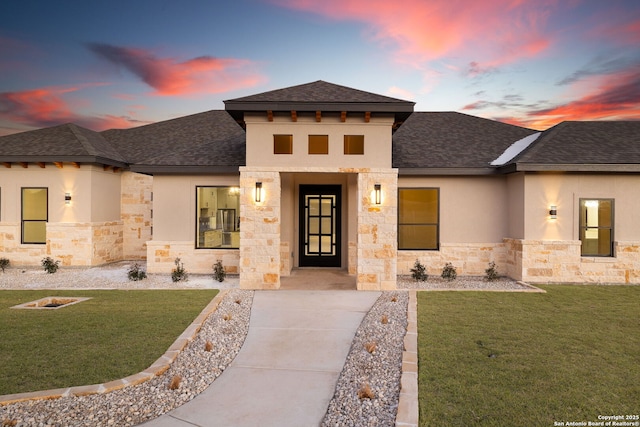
394, 299
385, 319
238, 301
491, 273
50, 266
226, 317
175, 382
4, 263
178, 273
419, 272
365, 392
218, 271
135, 273
371, 346
208, 346
449, 272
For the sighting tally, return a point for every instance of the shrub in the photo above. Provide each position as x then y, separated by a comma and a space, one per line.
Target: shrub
50, 266
218, 271
449, 272
179, 273
135, 273
419, 272
491, 273
4, 263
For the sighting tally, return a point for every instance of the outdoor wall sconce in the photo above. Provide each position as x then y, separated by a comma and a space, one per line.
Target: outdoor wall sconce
377, 191
67, 198
258, 192
553, 212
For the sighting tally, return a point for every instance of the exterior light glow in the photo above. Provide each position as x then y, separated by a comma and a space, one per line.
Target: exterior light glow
377, 191
258, 192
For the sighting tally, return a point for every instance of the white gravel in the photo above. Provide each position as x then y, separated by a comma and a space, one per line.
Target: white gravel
380, 369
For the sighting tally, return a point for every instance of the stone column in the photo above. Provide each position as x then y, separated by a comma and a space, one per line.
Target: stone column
259, 230
377, 241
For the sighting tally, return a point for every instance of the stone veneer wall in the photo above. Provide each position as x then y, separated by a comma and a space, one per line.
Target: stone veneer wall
547, 261
470, 259
135, 212
377, 241
286, 262
197, 261
17, 253
74, 244
259, 230
85, 244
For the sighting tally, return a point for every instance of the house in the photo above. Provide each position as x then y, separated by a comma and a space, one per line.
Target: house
325, 176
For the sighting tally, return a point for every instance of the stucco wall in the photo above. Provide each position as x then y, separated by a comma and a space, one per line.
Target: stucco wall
174, 204
174, 226
565, 190
377, 141
472, 209
87, 231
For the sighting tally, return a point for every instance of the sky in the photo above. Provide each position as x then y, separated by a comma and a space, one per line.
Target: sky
118, 64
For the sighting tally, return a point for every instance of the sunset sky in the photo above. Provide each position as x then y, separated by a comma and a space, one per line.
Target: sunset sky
118, 64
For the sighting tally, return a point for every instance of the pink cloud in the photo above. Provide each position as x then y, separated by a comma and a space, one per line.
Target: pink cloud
46, 106
616, 97
171, 77
422, 30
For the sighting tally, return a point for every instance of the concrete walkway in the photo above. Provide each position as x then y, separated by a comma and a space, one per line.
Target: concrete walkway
286, 372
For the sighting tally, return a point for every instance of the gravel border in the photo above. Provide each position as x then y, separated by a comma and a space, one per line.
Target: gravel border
380, 369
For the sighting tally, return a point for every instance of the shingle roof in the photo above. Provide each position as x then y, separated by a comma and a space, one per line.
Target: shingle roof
211, 140
319, 92
585, 143
451, 141
67, 142
319, 96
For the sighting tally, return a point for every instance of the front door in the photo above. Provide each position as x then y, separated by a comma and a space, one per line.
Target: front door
320, 225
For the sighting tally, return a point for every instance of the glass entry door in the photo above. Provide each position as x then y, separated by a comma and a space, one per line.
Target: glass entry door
320, 225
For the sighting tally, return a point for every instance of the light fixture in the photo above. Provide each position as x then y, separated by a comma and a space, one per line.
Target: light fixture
67, 198
258, 192
553, 212
378, 193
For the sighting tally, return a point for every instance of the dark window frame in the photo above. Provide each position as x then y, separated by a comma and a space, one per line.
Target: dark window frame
23, 221
436, 224
583, 226
197, 219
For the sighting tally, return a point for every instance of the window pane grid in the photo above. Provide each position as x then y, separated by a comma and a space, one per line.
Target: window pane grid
418, 218
596, 227
217, 219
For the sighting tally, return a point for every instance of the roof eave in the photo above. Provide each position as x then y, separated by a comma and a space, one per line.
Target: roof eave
63, 159
185, 169
569, 167
446, 171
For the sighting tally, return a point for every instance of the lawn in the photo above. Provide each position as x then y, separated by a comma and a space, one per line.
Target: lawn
497, 359
113, 335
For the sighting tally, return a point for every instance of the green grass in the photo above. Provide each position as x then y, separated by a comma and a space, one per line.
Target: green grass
111, 336
568, 355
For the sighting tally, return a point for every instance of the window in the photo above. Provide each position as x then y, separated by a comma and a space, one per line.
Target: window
596, 227
282, 144
35, 214
354, 144
418, 218
218, 220
318, 144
